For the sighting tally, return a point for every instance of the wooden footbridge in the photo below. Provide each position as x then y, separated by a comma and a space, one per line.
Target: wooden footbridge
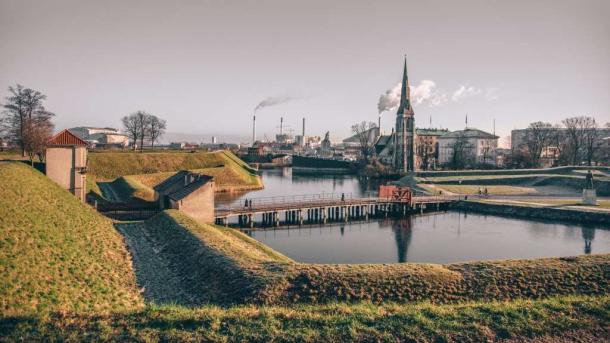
321, 208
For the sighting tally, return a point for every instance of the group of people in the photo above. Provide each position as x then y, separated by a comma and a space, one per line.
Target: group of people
484, 191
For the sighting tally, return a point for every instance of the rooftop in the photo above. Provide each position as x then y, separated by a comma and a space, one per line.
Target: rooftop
191, 187
431, 132
66, 138
470, 133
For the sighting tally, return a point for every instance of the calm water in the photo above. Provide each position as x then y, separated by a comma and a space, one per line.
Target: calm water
438, 237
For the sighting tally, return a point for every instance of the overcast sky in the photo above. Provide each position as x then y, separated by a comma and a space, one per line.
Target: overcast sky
205, 65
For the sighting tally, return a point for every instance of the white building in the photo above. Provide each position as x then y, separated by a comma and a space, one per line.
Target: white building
479, 147
101, 136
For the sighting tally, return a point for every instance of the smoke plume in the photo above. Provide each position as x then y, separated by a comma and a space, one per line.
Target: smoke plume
425, 92
272, 101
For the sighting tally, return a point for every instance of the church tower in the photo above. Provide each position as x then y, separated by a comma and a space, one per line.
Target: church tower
404, 137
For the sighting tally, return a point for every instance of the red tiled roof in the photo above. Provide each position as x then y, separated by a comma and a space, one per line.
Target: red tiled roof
66, 137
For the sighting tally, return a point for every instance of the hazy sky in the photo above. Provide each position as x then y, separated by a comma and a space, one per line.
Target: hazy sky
205, 65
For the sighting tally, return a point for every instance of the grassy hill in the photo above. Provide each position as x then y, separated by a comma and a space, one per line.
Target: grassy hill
57, 254
224, 266
65, 275
565, 319
130, 176
518, 181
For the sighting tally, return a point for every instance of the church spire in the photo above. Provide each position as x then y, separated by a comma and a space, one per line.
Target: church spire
405, 92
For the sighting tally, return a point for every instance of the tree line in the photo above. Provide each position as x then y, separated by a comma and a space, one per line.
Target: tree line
25, 121
574, 141
143, 127
27, 124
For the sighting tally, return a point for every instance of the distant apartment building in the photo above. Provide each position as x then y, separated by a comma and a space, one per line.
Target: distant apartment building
479, 147
101, 137
426, 147
183, 145
66, 162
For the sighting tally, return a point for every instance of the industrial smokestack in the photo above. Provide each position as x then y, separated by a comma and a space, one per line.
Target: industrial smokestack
253, 129
281, 125
303, 128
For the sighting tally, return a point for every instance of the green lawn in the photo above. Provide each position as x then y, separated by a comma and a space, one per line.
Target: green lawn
581, 318
603, 204
57, 253
144, 171
491, 189
66, 275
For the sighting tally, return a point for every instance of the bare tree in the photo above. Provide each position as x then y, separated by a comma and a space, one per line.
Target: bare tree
137, 127
576, 131
130, 126
590, 139
538, 138
366, 134
36, 134
461, 153
23, 108
156, 129
142, 119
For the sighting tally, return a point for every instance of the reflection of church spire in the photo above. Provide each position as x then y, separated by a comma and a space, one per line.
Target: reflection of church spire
588, 234
402, 235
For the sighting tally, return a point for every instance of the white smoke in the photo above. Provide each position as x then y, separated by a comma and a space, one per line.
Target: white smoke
465, 91
424, 92
272, 101
389, 100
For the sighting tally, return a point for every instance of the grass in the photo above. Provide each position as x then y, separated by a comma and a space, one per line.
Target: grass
603, 204
110, 165
491, 189
457, 178
581, 317
65, 275
134, 175
56, 253
11, 155
212, 257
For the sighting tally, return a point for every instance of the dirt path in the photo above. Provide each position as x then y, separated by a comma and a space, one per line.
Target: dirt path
161, 285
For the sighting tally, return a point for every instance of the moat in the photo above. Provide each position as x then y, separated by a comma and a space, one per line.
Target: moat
441, 237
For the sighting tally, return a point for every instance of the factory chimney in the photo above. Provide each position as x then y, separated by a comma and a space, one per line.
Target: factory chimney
303, 127
253, 129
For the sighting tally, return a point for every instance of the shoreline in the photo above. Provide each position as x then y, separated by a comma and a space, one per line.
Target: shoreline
526, 211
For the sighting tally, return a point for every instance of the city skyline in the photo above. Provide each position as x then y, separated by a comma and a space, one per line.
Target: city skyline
205, 66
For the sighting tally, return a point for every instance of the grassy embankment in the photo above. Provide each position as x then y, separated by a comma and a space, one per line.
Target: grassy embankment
66, 275
57, 253
259, 275
578, 319
562, 180
132, 175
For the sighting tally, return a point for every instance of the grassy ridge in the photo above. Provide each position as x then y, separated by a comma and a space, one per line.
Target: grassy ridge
222, 267
109, 165
134, 175
57, 253
251, 272
581, 318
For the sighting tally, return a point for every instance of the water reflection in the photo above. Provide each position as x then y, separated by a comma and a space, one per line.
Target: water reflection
588, 234
402, 235
435, 238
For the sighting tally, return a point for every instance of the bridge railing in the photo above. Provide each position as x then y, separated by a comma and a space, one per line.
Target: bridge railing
286, 200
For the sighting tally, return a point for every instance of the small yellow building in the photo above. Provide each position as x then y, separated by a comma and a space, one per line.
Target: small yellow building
189, 192
66, 163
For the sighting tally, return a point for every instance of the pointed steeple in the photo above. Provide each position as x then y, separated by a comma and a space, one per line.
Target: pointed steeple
405, 92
